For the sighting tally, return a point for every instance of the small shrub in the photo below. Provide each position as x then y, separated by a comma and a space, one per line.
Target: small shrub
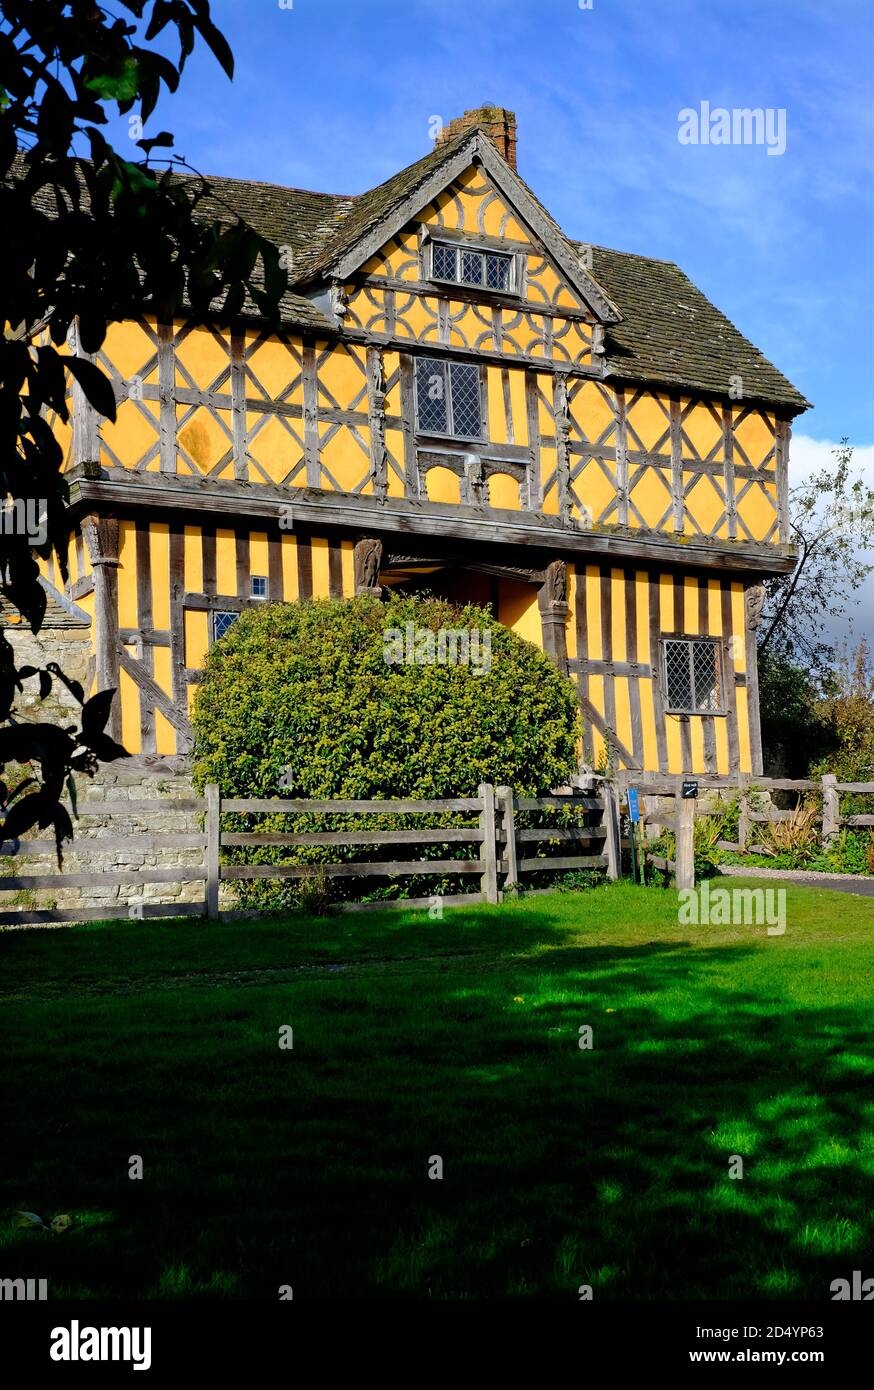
299, 700
796, 836
313, 894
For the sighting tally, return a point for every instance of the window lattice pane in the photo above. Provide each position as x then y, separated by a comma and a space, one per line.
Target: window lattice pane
259, 586
221, 622
705, 666
498, 272
444, 264
678, 673
472, 267
431, 414
466, 404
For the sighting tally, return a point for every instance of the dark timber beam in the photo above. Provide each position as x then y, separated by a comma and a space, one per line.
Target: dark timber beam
223, 502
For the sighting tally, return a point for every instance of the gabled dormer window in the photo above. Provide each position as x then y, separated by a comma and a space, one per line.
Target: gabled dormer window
474, 266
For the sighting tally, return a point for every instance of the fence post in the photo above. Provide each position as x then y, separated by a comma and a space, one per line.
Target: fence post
743, 819
610, 822
684, 872
508, 824
831, 811
213, 832
488, 851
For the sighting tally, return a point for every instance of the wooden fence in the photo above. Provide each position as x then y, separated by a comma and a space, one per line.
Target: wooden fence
502, 852
509, 844
754, 808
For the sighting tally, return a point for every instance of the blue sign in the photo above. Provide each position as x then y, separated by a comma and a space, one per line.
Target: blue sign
633, 808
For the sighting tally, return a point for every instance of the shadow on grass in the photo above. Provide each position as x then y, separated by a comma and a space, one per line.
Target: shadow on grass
561, 1165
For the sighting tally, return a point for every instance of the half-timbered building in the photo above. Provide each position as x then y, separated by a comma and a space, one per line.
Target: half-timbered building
461, 398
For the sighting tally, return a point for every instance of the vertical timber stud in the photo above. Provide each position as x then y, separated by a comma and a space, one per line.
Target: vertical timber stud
167, 397
728, 472
621, 456
655, 657
238, 407
508, 827
310, 414
213, 836
101, 538
376, 412
145, 647
583, 660
685, 832
728, 666
488, 849
535, 487
754, 602
408, 425
831, 811
677, 495
562, 433
86, 430
781, 450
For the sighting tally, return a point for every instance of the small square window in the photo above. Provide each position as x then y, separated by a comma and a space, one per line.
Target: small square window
259, 586
221, 621
692, 675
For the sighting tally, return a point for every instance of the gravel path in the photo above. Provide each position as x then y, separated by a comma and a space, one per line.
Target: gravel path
859, 884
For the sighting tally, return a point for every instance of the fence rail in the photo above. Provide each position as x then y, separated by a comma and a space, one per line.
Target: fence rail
507, 845
501, 851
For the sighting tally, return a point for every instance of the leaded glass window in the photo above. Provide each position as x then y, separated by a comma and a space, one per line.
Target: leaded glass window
692, 675
464, 265
448, 398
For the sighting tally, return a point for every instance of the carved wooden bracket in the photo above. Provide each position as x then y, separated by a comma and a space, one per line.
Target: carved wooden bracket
368, 562
556, 583
101, 538
755, 602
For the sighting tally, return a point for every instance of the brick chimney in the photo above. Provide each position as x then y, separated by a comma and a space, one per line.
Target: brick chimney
495, 121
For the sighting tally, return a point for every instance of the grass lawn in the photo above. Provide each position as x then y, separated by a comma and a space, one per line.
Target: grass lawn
265, 1167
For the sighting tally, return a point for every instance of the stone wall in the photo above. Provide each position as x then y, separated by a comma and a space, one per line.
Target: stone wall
118, 781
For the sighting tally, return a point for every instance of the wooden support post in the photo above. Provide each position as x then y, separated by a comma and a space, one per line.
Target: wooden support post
488, 850
101, 537
685, 860
610, 822
831, 811
508, 825
213, 833
743, 819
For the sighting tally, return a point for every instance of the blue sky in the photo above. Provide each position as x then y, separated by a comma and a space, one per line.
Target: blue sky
339, 94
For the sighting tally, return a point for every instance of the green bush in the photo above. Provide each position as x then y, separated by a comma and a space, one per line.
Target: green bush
298, 700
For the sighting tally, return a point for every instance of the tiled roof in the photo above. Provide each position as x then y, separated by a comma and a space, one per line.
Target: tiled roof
669, 332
